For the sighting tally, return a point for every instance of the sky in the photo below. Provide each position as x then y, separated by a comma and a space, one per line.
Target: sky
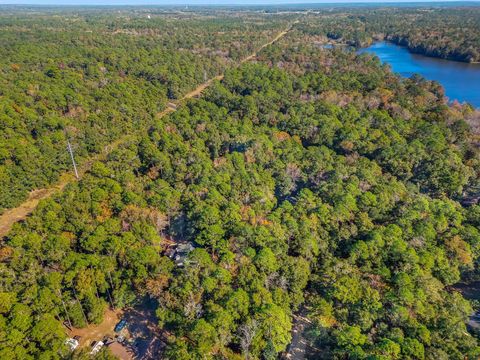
189, 2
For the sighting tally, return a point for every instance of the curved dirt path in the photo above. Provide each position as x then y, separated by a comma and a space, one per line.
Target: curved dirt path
11, 216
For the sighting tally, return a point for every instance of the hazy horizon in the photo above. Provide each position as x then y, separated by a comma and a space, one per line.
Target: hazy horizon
212, 2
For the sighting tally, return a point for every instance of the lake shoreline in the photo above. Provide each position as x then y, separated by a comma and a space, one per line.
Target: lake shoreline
459, 79
421, 51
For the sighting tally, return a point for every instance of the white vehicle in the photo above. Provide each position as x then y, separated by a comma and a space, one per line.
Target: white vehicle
97, 346
72, 343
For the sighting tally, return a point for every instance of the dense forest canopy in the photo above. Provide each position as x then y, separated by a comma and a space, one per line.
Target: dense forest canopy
93, 77
309, 180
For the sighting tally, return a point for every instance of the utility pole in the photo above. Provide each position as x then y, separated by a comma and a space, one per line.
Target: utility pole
80, 304
73, 159
65, 309
108, 292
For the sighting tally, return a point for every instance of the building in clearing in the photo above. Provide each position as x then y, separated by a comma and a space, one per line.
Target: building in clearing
180, 252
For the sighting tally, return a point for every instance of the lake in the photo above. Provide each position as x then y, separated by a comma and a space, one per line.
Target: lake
460, 80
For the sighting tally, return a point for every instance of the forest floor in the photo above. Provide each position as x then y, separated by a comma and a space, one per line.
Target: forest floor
470, 291
19, 213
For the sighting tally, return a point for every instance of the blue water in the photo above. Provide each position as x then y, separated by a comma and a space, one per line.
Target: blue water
460, 80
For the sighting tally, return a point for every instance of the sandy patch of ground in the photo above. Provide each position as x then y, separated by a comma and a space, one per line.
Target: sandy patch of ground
143, 338
98, 332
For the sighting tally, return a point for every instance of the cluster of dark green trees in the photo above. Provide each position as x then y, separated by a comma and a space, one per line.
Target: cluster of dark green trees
274, 190
311, 178
92, 77
448, 33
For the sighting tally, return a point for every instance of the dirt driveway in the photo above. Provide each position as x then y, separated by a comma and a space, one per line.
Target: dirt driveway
145, 337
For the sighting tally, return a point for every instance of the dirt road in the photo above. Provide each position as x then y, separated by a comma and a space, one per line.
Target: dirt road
11, 216
275, 39
298, 346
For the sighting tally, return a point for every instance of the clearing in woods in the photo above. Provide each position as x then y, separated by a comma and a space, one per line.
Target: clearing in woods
11, 216
147, 338
94, 332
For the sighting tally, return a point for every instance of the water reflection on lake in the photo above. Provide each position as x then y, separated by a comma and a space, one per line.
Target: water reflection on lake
460, 80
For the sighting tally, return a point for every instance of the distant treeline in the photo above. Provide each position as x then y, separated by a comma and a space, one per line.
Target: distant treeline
308, 178
447, 33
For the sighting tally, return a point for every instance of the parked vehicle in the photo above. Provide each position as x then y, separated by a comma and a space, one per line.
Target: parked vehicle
72, 343
97, 346
121, 325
